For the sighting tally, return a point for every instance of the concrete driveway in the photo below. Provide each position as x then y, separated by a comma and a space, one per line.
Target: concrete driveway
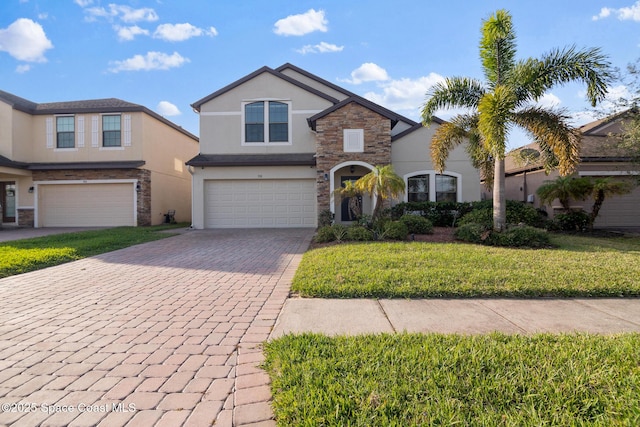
164, 333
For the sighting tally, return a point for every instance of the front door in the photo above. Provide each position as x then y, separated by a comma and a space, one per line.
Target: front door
348, 210
8, 200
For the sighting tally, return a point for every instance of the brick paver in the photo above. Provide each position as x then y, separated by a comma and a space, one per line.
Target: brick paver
165, 333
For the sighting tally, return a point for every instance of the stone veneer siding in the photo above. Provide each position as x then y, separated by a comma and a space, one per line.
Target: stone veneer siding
330, 144
25, 217
142, 175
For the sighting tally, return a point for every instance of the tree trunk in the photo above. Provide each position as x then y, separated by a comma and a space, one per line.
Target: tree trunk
597, 204
499, 204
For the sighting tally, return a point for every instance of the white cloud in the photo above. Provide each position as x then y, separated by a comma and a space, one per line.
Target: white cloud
299, 25
367, 72
549, 100
129, 33
181, 32
43, 16
150, 61
124, 13
83, 3
20, 69
165, 108
322, 47
630, 13
25, 40
404, 94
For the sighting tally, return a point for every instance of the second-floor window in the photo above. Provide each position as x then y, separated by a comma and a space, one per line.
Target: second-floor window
65, 132
266, 122
111, 135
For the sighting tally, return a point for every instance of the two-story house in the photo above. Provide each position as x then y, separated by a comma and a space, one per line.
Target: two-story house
103, 162
275, 144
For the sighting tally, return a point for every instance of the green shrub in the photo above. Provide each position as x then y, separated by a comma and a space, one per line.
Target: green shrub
339, 232
417, 224
325, 218
519, 236
573, 221
394, 230
472, 233
482, 217
517, 213
324, 235
359, 233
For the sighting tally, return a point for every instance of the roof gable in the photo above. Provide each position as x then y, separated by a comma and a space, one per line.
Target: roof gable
198, 104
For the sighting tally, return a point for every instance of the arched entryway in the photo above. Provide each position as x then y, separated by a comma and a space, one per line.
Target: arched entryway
338, 176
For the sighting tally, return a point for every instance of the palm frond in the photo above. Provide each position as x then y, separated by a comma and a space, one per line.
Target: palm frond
495, 112
559, 142
561, 66
498, 47
447, 137
452, 92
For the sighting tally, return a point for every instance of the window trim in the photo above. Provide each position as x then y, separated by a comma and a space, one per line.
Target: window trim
102, 131
57, 132
265, 123
432, 183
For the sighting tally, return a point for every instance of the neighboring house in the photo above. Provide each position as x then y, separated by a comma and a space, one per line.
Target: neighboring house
599, 157
103, 162
275, 144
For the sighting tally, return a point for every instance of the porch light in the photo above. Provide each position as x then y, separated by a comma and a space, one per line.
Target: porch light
326, 177
30, 189
138, 187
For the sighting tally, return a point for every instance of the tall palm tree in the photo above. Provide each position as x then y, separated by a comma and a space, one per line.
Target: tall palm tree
382, 182
505, 99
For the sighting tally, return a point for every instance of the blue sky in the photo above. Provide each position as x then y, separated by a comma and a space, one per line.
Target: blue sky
167, 54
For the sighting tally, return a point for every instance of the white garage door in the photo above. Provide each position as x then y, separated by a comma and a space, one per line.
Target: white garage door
88, 205
620, 211
260, 203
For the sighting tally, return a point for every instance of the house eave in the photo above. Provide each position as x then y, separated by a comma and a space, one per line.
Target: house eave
216, 160
134, 164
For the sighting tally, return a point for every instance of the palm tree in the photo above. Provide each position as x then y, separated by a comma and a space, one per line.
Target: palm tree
505, 100
349, 191
382, 182
564, 188
603, 188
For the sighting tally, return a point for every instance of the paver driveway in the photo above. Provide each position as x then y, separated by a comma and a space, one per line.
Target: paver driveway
164, 333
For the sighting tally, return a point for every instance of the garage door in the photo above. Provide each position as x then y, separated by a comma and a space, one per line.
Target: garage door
260, 203
88, 205
620, 211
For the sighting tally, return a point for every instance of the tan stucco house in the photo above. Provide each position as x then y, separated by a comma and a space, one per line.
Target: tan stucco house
599, 157
103, 162
275, 144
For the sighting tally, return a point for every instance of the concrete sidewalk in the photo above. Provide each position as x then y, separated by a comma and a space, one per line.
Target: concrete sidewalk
467, 316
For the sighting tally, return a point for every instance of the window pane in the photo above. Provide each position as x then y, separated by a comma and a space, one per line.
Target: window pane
254, 132
110, 123
446, 188
65, 132
418, 188
278, 122
111, 138
254, 113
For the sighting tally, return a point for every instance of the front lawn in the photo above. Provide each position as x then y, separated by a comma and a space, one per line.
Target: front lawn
488, 380
578, 266
21, 256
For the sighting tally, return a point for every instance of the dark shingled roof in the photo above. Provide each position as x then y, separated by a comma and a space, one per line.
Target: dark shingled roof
8, 163
294, 159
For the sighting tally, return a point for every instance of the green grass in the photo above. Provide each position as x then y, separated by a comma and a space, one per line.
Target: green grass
486, 380
21, 256
578, 266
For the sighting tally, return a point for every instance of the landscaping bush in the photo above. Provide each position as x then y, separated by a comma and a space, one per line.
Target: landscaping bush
339, 232
519, 236
573, 221
324, 235
359, 234
482, 217
471, 233
395, 230
517, 213
417, 224
325, 218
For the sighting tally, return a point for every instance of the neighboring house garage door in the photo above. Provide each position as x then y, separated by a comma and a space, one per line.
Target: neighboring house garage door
75, 205
260, 203
619, 211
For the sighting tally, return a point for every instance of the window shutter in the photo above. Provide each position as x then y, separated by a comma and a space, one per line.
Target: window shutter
127, 130
80, 128
95, 135
353, 140
49, 126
